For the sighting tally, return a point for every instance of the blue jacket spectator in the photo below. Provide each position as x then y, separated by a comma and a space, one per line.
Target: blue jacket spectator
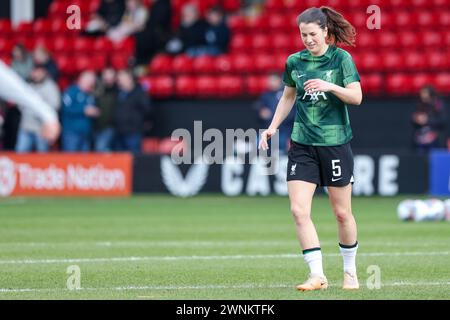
77, 113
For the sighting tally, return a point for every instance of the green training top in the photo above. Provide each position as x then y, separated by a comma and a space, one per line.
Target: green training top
321, 118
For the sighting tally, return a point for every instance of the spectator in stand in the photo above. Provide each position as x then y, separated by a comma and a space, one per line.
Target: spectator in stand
133, 20
132, 109
266, 107
156, 32
217, 34
106, 98
191, 34
429, 120
29, 137
41, 56
22, 63
108, 15
77, 113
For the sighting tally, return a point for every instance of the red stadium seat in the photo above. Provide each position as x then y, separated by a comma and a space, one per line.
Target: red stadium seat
419, 80
281, 42
119, 61
62, 44
414, 61
258, 23
272, 5
125, 46
431, 39
399, 84
392, 62
405, 19
255, 85
6, 46
185, 86
444, 18
204, 64
367, 39
230, 86
82, 45
161, 64
57, 8
161, 86
182, 64
398, 4
261, 42
280, 61
6, 59
387, 39
82, 62
436, 60
231, 5
239, 42
65, 64
102, 45
5, 27
59, 26
223, 64
241, 63
207, 86
372, 84
409, 39
237, 23
24, 29
442, 82
41, 26
264, 62
277, 22
370, 62
98, 62
426, 19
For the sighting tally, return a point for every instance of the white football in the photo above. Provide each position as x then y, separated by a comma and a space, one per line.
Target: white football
447, 209
405, 210
436, 209
420, 211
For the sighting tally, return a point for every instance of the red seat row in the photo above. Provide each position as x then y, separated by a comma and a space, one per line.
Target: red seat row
398, 20
235, 63
288, 5
234, 86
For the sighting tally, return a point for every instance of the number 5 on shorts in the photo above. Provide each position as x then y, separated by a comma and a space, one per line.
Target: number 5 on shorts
336, 168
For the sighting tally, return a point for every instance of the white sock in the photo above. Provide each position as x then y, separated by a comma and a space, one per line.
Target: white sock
314, 261
349, 257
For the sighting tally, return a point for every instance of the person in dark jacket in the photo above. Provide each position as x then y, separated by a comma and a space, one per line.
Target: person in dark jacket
191, 34
106, 99
133, 107
156, 32
429, 120
217, 33
109, 14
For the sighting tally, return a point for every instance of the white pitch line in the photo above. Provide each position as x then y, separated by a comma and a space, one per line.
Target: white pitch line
209, 287
215, 257
187, 243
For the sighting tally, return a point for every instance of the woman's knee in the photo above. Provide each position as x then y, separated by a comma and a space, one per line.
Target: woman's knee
342, 215
300, 213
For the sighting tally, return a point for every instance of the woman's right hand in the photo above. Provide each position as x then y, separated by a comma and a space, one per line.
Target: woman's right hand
265, 136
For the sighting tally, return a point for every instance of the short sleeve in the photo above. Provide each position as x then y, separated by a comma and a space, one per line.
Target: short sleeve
349, 71
287, 78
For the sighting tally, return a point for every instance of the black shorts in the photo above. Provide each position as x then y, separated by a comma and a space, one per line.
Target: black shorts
324, 166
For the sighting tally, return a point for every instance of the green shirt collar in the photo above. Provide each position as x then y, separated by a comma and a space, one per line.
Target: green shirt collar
306, 55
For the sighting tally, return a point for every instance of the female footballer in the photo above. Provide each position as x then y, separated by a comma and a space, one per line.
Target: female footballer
321, 81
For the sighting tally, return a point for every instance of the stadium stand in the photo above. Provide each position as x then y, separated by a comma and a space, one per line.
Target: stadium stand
396, 59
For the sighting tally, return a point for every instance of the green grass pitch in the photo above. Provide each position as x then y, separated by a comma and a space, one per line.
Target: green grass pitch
209, 247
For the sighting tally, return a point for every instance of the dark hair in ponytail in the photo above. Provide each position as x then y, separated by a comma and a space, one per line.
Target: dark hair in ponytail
339, 29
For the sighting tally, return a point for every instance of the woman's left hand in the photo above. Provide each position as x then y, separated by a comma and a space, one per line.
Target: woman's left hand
314, 85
